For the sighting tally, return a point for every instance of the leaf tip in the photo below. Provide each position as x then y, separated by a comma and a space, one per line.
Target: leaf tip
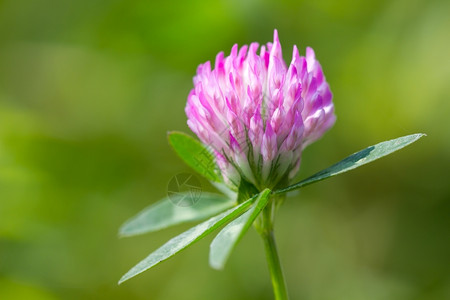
130, 274
122, 235
416, 137
171, 132
216, 264
122, 279
123, 231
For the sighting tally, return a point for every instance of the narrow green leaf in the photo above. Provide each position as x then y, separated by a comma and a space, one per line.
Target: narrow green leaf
195, 155
186, 239
224, 243
165, 213
356, 160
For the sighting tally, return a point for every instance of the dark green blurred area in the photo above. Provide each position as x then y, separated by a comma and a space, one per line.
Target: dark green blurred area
89, 89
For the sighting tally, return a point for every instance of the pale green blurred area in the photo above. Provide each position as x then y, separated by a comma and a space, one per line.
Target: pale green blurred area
89, 89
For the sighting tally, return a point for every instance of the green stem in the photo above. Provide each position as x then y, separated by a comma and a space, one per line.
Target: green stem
276, 273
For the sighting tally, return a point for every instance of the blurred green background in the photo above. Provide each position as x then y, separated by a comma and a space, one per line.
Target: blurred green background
89, 89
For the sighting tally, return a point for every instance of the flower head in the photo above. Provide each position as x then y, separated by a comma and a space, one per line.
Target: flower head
257, 114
